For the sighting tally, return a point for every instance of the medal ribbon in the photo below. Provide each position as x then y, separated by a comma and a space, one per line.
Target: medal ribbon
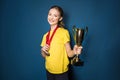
48, 38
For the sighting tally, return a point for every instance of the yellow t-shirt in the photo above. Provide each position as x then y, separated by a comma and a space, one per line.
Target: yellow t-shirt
58, 61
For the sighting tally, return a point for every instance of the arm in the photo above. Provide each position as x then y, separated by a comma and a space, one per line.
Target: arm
70, 52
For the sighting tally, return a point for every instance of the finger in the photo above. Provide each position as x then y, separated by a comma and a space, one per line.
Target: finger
81, 47
43, 48
47, 46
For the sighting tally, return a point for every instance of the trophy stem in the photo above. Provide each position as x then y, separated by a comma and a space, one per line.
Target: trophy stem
77, 58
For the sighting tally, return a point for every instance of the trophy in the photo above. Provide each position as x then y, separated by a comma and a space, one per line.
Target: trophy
78, 35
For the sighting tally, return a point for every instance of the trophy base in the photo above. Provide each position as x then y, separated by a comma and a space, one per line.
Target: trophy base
77, 62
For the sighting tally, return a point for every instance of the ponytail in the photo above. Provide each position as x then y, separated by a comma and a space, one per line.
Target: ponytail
61, 24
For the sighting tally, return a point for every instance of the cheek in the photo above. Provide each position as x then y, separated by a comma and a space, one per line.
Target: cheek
57, 19
48, 17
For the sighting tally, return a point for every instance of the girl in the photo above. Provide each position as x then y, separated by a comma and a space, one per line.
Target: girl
56, 46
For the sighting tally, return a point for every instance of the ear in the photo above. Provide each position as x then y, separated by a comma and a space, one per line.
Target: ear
60, 18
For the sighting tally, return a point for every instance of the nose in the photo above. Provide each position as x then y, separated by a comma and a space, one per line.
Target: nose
51, 17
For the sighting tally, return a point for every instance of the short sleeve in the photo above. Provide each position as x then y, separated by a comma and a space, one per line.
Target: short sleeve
66, 36
43, 41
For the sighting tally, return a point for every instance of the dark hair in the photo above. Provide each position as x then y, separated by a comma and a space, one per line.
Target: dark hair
60, 23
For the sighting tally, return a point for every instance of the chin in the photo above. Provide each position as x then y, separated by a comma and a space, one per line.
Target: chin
52, 24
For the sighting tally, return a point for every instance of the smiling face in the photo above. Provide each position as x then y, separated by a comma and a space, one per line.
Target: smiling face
54, 17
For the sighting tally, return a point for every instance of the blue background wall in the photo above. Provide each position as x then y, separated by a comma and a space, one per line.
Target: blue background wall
23, 22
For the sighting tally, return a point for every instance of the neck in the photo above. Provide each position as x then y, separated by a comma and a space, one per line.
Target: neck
53, 27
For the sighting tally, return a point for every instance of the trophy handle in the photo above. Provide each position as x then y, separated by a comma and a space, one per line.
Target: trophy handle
86, 31
74, 33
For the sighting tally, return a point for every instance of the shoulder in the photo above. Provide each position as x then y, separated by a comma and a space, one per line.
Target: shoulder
62, 30
45, 34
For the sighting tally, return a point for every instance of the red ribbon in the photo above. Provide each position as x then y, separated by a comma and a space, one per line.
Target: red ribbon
48, 38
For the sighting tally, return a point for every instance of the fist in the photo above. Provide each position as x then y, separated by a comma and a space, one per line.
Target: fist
45, 50
77, 49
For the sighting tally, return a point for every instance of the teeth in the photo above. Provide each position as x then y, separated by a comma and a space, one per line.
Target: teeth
51, 20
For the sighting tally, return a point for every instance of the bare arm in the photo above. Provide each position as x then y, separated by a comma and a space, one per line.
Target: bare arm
70, 52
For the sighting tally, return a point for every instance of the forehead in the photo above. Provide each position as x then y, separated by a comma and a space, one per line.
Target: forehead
54, 10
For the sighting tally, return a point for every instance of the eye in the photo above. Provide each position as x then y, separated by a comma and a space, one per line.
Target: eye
55, 15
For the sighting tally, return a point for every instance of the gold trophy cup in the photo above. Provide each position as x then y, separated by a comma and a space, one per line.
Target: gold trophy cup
78, 35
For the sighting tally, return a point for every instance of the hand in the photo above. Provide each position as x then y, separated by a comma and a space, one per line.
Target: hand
45, 50
77, 49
